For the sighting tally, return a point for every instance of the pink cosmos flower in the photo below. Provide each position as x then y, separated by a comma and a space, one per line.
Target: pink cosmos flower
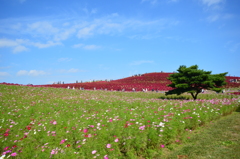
94, 151
85, 130
116, 140
14, 154
54, 122
62, 141
53, 152
108, 145
162, 146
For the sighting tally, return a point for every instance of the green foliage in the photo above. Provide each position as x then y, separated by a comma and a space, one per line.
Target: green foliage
192, 80
51, 123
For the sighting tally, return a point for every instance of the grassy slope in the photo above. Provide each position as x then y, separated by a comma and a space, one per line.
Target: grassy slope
219, 140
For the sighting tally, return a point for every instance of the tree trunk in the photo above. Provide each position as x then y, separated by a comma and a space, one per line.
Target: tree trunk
194, 95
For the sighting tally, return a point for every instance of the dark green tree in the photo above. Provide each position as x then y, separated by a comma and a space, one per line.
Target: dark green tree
192, 80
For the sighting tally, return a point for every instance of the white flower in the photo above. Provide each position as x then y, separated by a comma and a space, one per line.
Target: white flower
161, 124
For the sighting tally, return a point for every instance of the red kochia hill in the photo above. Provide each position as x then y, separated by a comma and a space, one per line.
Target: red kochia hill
150, 81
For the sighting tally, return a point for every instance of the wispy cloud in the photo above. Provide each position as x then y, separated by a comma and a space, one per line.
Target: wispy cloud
46, 45
64, 59
31, 73
87, 47
141, 62
3, 74
14, 44
51, 29
212, 2
72, 70
153, 2
219, 16
20, 45
21, 1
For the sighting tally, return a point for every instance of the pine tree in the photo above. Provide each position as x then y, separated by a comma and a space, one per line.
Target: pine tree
192, 80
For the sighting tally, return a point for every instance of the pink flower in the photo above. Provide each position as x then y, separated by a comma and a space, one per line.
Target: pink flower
105, 157
54, 122
62, 141
110, 120
108, 146
85, 130
14, 154
162, 146
94, 151
53, 152
116, 140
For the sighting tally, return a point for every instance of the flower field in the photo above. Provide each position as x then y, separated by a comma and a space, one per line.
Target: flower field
39, 122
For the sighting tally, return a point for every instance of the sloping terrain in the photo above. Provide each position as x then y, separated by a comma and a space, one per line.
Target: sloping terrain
150, 81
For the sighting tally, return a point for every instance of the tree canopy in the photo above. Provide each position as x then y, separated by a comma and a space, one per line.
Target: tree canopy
192, 80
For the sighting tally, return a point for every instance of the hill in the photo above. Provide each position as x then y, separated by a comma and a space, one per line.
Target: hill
150, 81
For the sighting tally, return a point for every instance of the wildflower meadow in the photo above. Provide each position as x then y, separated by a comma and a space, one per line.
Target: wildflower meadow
38, 122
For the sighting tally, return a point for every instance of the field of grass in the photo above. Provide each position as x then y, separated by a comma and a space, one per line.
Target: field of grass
60, 123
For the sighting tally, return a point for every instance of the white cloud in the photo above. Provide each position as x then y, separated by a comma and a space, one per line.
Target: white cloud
48, 44
42, 28
141, 62
87, 47
212, 2
31, 73
85, 32
21, 1
213, 18
36, 73
19, 48
15, 44
52, 31
65, 34
18, 44
2, 74
78, 45
64, 59
8, 43
22, 73
151, 1
91, 47
72, 70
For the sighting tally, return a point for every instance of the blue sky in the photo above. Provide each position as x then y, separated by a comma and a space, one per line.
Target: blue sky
48, 41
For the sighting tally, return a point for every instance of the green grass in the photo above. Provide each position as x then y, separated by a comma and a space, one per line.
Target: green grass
219, 140
62, 123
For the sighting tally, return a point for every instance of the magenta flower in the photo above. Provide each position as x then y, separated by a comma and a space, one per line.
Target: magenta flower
62, 141
108, 145
162, 146
85, 130
53, 152
14, 154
